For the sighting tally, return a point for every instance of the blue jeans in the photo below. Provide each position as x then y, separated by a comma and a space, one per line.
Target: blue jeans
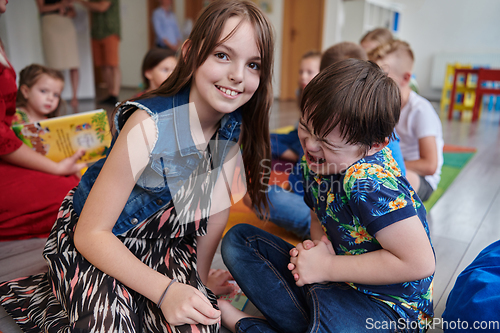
258, 262
289, 211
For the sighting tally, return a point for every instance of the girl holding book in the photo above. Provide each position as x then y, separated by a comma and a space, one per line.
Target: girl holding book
32, 185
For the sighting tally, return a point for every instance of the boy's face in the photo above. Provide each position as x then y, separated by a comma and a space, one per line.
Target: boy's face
330, 155
309, 68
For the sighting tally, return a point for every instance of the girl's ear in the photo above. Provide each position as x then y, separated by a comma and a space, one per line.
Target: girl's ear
185, 47
25, 91
148, 74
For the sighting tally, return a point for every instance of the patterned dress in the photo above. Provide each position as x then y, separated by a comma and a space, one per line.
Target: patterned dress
75, 296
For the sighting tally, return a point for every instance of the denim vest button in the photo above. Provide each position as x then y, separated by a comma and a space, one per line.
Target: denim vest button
134, 221
159, 202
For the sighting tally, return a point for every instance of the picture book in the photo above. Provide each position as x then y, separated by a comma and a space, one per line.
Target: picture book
237, 298
60, 137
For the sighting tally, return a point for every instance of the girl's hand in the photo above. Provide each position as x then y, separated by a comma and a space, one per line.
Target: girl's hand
218, 282
69, 165
307, 261
184, 304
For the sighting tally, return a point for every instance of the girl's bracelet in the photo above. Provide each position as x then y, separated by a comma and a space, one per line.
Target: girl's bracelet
165, 292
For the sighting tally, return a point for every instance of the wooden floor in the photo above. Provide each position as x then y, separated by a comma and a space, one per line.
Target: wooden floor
462, 222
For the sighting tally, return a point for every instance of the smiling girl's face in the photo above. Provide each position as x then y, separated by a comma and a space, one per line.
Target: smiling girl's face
231, 74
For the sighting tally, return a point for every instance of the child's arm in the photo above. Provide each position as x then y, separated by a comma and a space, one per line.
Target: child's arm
100, 6
428, 161
406, 256
43, 8
219, 214
26, 157
95, 241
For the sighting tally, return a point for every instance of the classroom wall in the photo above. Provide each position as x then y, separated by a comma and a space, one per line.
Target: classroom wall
21, 35
134, 42
430, 26
458, 26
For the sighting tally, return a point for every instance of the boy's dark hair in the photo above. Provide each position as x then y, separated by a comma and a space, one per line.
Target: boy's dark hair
358, 97
341, 51
152, 59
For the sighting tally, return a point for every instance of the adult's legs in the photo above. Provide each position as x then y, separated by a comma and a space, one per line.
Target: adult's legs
258, 262
74, 77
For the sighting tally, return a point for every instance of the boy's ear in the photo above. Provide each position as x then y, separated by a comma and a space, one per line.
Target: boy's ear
24, 90
407, 77
185, 47
376, 147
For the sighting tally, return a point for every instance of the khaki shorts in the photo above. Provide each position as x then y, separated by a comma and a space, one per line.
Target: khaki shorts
106, 51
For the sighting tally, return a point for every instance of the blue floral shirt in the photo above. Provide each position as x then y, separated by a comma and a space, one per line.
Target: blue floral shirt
354, 205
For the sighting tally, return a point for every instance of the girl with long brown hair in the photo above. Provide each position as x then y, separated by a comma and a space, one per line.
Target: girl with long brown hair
132, 247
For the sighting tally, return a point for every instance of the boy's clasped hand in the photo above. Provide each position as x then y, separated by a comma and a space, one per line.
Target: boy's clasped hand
307, 261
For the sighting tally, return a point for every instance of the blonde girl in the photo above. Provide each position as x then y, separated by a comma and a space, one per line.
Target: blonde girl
132, 247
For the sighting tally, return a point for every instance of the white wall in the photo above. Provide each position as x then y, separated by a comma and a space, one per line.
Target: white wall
20, 33
135, 40
276, 18
430, 26
332, 23
459, 26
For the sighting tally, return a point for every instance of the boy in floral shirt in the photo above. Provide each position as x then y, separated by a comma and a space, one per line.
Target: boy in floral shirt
370, 262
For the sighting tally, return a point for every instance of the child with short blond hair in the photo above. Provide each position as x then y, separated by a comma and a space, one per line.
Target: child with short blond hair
419, 128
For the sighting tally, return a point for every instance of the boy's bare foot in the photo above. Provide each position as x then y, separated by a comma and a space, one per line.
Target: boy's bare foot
230, 315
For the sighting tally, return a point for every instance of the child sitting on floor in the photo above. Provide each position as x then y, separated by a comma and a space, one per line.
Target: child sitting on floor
287, 146
157, 66
419, 128
39, 94
287, 208
370, 259
33, 186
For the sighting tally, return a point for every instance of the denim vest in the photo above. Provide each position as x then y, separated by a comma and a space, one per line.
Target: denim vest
172, 160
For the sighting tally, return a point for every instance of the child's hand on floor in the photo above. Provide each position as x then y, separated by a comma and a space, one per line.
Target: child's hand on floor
218, 282
307, 261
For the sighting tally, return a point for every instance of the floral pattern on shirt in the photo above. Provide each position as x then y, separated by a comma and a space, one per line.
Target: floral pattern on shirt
354, 205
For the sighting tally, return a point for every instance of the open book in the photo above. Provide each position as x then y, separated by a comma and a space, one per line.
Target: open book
60, 137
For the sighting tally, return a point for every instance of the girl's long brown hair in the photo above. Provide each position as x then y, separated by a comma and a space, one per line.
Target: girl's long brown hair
203, 39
